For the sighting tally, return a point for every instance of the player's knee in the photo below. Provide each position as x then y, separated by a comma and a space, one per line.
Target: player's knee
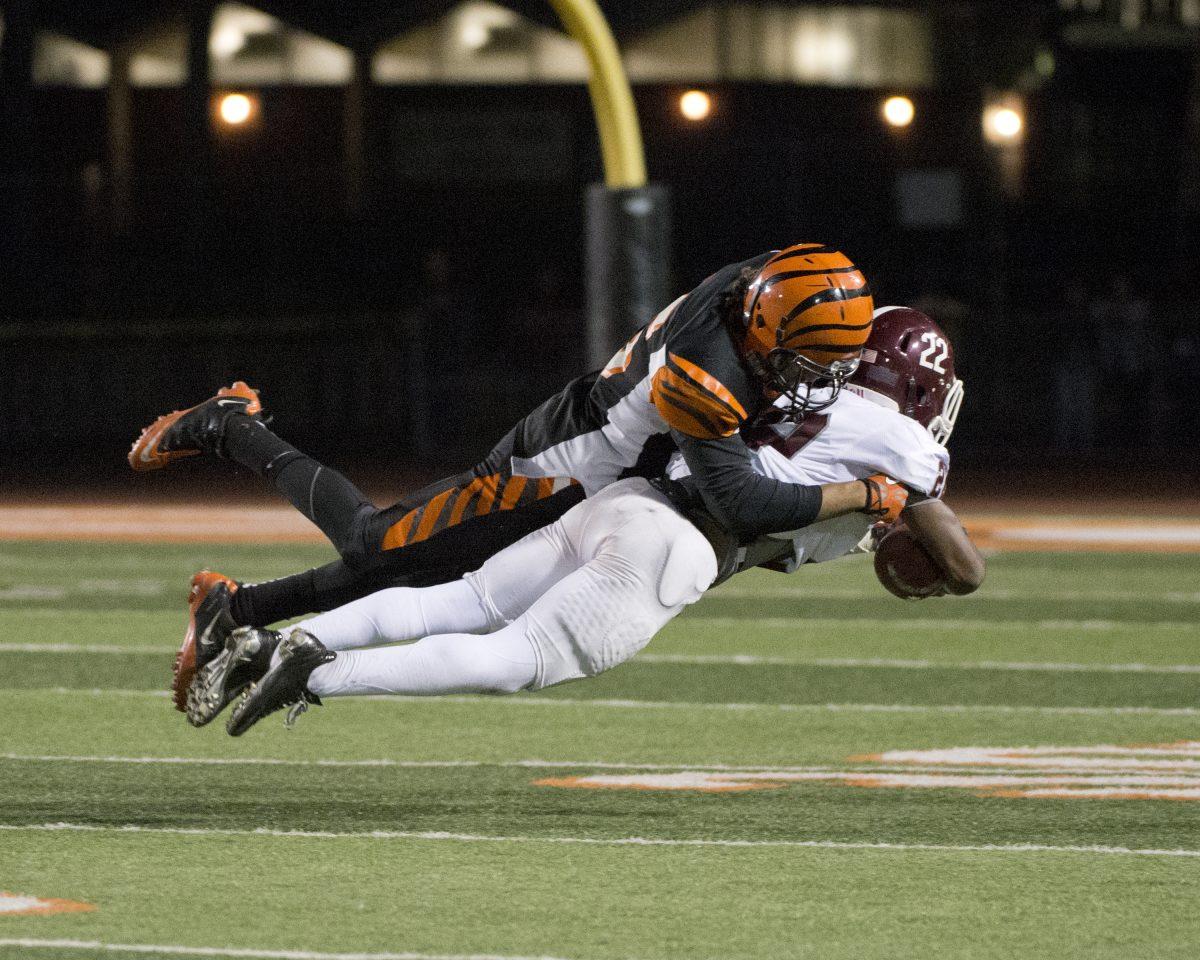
689, 566
360, 547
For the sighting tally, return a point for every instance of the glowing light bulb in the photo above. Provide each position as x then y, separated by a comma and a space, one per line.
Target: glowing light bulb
1002, 124
235, 109
898, 111
695, 105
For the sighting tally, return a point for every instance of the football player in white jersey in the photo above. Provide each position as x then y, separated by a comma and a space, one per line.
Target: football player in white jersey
907, 368
589, 591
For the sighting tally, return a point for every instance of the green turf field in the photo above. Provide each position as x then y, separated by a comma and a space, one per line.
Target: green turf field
839, 801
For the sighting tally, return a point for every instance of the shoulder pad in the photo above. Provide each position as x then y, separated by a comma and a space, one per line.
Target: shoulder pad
694, 402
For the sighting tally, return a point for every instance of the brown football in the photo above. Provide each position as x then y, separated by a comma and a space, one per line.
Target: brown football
905, 568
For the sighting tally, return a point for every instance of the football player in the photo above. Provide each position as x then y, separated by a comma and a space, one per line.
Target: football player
587, 592
780, 332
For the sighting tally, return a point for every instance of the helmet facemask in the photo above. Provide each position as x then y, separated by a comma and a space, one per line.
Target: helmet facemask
795, 377
941, 426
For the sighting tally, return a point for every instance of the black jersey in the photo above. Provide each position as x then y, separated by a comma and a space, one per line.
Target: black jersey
679, 383
680, 374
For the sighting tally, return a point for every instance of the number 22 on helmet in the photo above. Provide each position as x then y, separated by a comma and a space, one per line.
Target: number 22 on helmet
908, 365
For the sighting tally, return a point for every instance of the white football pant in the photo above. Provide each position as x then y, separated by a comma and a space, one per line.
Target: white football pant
568, 601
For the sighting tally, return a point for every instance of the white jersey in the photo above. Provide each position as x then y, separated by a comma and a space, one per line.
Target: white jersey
851, 439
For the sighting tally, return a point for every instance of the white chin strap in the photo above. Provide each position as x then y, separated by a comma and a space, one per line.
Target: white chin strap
877, 398
941, 426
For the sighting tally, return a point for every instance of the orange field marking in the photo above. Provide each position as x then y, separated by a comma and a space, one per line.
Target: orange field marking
156, 523
1090, 772
1107, 534
703, 782
19, 905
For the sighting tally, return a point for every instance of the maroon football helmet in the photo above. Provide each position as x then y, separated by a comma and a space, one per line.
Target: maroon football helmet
907, 364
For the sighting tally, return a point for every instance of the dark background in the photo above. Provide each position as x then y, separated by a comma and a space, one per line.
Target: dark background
404, 327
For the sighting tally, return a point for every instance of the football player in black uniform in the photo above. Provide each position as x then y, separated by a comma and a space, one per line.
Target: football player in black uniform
787, 324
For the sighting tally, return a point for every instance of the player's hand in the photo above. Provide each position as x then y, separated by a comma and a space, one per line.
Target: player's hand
877, 532
885, 498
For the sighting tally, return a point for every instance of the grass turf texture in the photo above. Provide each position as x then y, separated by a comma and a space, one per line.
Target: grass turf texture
537, 898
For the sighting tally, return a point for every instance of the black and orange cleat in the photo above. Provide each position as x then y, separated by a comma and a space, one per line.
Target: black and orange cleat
209, 626
199, 429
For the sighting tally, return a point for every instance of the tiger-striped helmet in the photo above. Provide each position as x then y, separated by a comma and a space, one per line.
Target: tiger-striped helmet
807, 314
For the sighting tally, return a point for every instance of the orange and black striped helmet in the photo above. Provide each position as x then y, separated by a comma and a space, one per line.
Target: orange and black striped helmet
807, 313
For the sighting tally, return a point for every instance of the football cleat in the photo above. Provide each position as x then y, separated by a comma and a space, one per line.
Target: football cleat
199, 429
209, 626
284, 685
245, 659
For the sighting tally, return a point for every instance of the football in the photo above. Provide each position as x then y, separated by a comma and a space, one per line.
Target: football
905, 568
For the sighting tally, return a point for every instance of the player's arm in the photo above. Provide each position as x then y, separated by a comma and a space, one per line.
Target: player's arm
749, 504
939, 531
705, 417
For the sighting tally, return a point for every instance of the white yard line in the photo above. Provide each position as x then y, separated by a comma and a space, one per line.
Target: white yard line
801, 592
1017, 766
438, 836
178, 950
524, 701
499, 764
736, 659
1104, 533
807, 625
89, 648
753, 660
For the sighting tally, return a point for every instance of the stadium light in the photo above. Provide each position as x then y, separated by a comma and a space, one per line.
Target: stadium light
235, 109
1002, 123
898, 111
695, 105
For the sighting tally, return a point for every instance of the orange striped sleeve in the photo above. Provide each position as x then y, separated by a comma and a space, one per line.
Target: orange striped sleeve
709, 383
692, 409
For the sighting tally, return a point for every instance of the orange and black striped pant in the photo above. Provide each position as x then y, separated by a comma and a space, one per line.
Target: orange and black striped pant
453, 526
455, 501
432, 536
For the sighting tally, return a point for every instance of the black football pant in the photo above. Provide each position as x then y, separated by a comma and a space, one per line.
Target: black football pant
432, 536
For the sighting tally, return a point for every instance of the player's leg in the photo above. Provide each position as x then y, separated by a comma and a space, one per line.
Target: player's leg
520, 573
441, 558
390, 616
644, 564
368, 540
229, 425
487, 600
400, 615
